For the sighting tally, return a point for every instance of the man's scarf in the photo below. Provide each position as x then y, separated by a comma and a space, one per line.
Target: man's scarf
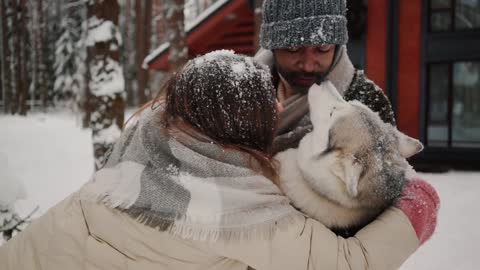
187, 185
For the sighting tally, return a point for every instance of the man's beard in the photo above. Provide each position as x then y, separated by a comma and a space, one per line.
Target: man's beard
292, 76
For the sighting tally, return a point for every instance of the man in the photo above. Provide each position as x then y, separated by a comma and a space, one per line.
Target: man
304, 42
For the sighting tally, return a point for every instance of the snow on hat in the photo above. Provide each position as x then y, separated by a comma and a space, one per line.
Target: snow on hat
297, 23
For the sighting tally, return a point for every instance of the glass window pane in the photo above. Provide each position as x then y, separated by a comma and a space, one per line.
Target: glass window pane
467, 14
438, 105
440, 4
440, 21
466, 108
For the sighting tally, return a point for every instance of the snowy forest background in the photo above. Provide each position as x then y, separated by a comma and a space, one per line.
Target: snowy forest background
86, 57
72, 71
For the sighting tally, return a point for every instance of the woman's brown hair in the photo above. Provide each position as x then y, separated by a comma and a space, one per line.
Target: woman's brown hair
229, 98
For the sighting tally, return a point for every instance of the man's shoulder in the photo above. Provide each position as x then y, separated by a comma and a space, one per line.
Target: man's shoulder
367, 92
361, 86
361, 81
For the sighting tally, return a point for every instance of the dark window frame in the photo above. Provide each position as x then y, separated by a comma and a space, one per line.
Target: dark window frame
450, 103
452, 10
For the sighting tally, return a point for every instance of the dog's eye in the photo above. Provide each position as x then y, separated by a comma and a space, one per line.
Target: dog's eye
356, 160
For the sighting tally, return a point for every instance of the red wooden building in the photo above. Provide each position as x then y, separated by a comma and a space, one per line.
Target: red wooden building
425, 54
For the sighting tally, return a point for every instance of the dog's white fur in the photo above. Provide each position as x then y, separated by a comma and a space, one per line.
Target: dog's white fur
333, 186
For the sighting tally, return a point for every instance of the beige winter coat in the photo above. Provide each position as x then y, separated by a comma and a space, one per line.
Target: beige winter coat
81, 235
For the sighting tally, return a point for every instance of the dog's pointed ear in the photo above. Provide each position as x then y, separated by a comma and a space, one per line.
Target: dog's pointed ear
348, 170
408, 146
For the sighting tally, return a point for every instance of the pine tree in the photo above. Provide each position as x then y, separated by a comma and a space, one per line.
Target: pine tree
106, 84
69, 54
51, 33
38, 31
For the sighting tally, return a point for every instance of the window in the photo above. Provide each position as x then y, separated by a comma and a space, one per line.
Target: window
467, 14
454, 15
466, 104
438, 105
453, 118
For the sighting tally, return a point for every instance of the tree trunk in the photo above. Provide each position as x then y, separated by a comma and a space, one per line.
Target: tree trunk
23, 94
257, 13
49, 36
106, 104
146, 46
87, 97
40, 40
6, 75
144, 28
16, 37
178, 54
128, 51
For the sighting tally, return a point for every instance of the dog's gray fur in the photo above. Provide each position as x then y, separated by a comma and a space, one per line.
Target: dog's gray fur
350, 167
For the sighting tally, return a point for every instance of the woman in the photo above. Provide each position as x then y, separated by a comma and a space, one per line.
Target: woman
189, 186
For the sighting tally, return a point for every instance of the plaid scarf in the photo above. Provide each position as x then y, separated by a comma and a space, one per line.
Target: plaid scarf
187, 185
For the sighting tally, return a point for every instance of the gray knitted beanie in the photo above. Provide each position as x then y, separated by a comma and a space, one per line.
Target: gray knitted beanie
297, 23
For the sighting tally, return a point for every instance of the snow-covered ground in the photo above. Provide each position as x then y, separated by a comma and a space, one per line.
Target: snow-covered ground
53, 156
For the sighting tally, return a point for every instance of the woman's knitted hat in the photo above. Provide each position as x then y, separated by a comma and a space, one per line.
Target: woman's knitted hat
297, 23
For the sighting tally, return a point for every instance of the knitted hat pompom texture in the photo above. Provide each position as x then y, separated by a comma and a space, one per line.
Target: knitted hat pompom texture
299, 23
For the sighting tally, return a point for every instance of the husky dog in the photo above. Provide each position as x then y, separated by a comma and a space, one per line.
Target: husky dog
350, 168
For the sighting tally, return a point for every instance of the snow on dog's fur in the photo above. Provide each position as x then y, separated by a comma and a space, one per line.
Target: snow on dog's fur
350, 167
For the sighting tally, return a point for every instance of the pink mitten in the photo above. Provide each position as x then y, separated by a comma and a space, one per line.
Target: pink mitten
420, 203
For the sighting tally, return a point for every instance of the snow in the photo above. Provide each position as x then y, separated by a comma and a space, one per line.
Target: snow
102, 31
11, 188
154, 54
108, 135
216, 54
455, 241
49, 153
107, 77
189, 25
53, 157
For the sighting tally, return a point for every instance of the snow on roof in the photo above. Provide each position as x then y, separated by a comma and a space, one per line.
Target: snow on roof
158, 51
205, 14
189, 26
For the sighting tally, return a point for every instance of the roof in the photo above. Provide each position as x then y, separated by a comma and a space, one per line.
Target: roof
226, 24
